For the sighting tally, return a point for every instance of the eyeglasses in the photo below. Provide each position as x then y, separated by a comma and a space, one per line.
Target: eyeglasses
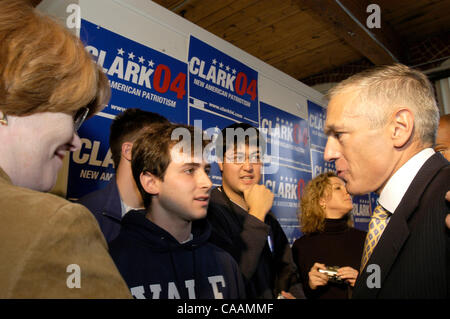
239, 158
79, 118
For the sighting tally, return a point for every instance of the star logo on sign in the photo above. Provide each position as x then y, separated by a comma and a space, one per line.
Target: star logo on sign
214, 61
141, 59
131, 55
151, 63
227, 68
120, 51
234, 71
220, 65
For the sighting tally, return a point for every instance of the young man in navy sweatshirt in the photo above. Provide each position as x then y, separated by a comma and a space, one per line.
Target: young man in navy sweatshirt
163, 251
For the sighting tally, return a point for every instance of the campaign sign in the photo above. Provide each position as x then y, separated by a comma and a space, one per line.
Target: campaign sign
91, 167
319, 165
287, 136
287, 185
220, 83
140, 77
212, 124
316, 119
361, 211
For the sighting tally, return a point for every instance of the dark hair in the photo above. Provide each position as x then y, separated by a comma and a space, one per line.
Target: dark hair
151, 150
126, 128
234, 134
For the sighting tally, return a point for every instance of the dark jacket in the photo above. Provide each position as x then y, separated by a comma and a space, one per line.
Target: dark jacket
156, 266
267, 269
413, 253
106, 206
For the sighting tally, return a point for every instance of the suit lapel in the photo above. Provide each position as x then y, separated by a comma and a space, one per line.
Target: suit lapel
398, 229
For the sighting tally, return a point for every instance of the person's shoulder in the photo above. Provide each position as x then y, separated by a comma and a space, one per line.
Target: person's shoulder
218, 204
272, 220
28, 201
97, 197
220, 254
302, 240
217, 196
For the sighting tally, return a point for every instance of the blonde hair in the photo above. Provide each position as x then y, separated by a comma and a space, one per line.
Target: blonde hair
312, 215
383, 88
43, 67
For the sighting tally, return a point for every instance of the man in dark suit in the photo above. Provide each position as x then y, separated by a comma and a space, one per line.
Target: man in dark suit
381, 126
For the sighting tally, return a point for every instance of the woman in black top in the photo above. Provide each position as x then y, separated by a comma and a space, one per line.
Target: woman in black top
328, 240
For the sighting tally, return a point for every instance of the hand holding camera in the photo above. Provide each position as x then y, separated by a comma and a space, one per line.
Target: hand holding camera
321, 275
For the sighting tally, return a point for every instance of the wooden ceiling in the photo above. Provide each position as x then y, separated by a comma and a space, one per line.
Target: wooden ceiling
307, 37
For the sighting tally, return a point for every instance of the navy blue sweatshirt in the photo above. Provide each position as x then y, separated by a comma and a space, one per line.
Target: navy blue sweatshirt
156, 266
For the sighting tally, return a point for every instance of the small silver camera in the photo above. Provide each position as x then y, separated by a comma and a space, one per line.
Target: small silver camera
331, 272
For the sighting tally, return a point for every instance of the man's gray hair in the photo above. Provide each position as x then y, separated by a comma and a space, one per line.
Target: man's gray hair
382, 89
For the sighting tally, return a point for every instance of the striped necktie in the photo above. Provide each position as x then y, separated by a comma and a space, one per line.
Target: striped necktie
377, 224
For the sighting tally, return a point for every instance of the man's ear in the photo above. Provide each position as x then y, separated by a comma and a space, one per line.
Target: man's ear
402, 127
126, 150
150, 183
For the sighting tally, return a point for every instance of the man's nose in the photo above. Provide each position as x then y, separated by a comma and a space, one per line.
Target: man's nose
332, 151
247, 165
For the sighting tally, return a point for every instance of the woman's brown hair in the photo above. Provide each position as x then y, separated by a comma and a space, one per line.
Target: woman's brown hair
44, 67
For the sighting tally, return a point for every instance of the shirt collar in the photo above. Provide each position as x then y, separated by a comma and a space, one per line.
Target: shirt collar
398, 184
126, 208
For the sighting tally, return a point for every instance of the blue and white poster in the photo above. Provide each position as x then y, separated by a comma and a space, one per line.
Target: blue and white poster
287, 137
287, 186
319, 165
140, 77
316, 119
222, 84
361, 211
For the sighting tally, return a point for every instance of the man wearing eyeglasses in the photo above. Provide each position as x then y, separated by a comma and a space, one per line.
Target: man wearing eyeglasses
239, 212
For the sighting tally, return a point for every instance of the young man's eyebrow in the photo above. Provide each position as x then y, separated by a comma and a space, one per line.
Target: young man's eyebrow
191, 164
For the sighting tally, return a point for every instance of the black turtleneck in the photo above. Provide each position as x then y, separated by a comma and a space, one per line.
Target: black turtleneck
338, 245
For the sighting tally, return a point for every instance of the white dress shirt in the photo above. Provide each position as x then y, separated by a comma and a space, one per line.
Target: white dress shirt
398, 184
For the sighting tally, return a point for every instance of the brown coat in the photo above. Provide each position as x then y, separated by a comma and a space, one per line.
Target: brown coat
40, 236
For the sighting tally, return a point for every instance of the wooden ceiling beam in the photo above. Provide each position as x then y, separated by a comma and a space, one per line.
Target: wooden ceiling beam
347, 19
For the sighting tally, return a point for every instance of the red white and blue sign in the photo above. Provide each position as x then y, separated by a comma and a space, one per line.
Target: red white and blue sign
140, 77
221, 84
287, 136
